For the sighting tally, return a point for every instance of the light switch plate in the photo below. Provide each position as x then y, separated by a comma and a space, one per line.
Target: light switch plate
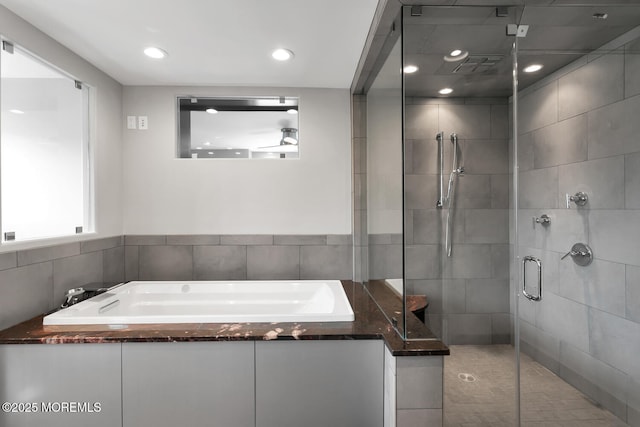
131, 122
143, 123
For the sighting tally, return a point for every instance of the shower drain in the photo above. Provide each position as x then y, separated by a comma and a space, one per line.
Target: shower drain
466, 377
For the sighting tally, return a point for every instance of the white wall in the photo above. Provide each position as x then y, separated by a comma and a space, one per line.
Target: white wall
166, 195
106, 127
384, 148
384, 161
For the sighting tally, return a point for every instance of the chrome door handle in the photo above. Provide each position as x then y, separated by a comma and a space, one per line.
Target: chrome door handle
529, 296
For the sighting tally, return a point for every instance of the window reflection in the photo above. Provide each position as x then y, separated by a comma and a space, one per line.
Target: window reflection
238, 128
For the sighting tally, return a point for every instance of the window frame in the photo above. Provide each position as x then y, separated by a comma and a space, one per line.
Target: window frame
185, 104
86, 151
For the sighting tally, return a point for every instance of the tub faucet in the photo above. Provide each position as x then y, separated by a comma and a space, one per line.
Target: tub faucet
72, 297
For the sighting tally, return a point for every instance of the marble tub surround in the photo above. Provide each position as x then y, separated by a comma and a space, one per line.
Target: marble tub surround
369, 323
390, 304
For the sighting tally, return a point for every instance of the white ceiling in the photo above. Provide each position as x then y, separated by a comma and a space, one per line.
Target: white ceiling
210, 42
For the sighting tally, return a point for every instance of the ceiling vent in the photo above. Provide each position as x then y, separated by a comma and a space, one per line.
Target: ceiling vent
478, 64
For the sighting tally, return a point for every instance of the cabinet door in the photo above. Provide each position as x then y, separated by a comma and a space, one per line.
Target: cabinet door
319, 383
188, 384
66, 385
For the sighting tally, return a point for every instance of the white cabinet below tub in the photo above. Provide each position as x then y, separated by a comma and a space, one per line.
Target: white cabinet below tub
337, 383
188, 384
67, 385
319, 383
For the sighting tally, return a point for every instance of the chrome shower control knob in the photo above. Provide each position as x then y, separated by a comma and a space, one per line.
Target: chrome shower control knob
544, 219
581, 254
580, 199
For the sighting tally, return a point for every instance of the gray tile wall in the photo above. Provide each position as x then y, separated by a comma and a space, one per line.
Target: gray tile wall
581, 132
469, 292
238, 257
34, 281
359, 168
419, 399
413, 390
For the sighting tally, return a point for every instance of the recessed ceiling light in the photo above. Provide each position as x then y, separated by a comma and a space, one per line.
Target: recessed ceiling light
229, 148
456, 55
445, 91
211, 111
155, 52
238, 153
207, 143
532, 68
198, 148
282, 54
210, 153
292, 111
410, 69
16, 111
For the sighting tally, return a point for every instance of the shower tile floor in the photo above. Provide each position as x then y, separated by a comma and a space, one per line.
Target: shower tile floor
486, 397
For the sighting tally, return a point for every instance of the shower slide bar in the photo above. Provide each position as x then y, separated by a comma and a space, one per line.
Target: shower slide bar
440, 139
456, 170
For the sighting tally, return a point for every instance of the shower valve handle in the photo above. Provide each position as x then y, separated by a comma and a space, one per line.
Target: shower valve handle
581, 254
575, 253
580, 199
544, 220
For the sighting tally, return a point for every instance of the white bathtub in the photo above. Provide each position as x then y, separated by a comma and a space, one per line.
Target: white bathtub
211, 302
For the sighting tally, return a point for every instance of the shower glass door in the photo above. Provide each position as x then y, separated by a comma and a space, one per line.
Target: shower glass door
457, 85
577, 191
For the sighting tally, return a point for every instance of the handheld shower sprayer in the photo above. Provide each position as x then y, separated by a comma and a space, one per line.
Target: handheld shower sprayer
455, 168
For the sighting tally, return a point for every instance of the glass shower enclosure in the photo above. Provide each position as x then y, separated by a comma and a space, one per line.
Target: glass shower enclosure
503, 188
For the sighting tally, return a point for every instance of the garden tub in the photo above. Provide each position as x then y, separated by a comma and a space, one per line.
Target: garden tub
151, 302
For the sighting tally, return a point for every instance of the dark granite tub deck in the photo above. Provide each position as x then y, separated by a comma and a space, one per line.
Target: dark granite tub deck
369, 323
